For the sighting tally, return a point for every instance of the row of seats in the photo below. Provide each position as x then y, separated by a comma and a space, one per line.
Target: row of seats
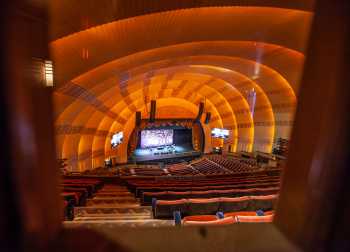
204, 185
142, 181
187, 207
133, 183
207, 167
75, 192
181, 169
235, 165
101, 171
147, 197
141, 190
146, 170
228, 218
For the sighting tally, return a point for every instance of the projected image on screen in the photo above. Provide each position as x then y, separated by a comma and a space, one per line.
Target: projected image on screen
155, 138
117, 139
220, 133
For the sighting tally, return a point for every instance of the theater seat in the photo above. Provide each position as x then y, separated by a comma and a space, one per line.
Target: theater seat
269, 212
242, 213
165, 208
200, 218
224, 221
254, 219
234, 204
265, 203
203, 206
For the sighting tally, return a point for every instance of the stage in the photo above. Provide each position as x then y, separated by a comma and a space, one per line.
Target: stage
165, 144
164, 153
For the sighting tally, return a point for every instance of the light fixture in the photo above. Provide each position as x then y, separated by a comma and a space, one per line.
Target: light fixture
48, 70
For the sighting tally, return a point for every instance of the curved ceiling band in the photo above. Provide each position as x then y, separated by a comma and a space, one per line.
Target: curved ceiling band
257, 80
280, 59
90, 77
87, 14
126, 37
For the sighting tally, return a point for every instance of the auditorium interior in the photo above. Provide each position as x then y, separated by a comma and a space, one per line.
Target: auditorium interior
187, 125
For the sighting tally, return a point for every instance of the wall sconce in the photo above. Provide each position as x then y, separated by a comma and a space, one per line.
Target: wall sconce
48, 70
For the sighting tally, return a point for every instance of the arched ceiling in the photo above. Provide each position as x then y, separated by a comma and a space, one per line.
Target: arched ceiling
71, 16
126, 37
112, 65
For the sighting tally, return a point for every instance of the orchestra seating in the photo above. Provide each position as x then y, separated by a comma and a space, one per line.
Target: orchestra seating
207, 167
181, 170
101, 171
207, 195
210, 185
142, 170
75, 192
235, 165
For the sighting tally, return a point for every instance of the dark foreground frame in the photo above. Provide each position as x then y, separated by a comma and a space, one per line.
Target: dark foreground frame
314, 200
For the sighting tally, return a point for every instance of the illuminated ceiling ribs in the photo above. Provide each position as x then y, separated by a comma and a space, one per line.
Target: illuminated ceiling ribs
187, 56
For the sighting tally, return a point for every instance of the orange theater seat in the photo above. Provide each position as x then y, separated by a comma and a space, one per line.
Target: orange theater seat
242, 213
171, 202
269, 212
200, 218
254, 219
224, 221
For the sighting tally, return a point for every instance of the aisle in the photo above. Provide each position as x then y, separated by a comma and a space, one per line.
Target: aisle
114, 205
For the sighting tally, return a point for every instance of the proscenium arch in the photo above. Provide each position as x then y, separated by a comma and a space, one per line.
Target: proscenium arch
121, 151
220, 122
213, 83
118, 109
139, 105
107, 95
82, 114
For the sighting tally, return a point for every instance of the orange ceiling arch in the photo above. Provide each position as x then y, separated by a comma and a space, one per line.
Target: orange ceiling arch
84, 14
125, 37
